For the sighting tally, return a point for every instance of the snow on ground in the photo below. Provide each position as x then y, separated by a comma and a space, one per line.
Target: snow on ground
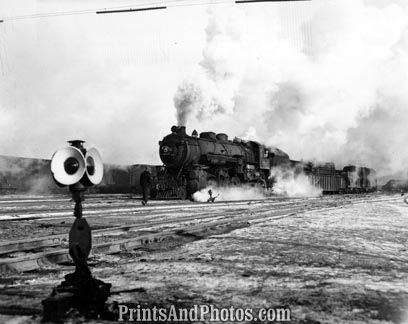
344, 265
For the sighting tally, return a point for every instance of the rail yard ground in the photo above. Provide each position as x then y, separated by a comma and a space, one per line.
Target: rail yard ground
335, 259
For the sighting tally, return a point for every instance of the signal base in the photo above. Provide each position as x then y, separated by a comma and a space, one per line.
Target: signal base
79, 291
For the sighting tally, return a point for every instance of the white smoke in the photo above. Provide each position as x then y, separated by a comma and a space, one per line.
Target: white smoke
15, 166
288, 183
189, 98
23, 174
192, 99
344, 99
212, 91
230, 193
324, 79
122, 79
41, 184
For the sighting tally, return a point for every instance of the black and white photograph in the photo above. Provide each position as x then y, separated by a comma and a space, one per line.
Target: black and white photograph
204, 161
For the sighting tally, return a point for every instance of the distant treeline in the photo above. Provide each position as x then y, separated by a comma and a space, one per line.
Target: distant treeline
26, 175
396, 186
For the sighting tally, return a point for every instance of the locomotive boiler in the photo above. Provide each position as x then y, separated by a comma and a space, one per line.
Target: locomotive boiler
192, 162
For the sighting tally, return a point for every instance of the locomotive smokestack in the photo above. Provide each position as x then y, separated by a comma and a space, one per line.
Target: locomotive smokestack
182, 130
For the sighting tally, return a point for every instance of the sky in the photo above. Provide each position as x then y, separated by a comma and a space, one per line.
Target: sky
325, 79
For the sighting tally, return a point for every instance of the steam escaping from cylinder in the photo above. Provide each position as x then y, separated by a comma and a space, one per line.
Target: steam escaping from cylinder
230, 193
287, 183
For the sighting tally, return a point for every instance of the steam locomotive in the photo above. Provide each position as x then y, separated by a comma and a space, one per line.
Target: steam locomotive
193, 162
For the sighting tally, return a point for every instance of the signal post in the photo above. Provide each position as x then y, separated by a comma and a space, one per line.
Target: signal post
77, 168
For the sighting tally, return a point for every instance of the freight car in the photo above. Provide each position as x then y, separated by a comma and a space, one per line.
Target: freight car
123, 179
192, 162
5, 186
359, 179
322, 175
351, 179
25, 175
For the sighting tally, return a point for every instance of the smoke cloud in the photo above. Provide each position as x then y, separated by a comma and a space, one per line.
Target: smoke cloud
287, 183
334, 88
186, 100
232, 193
26, 175
115, 93
321, 80
212, 90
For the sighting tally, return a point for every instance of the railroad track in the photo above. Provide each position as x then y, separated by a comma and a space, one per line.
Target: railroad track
36, 260
33, 261
58, 239
106, 210
141, 224
48, 249
10, 212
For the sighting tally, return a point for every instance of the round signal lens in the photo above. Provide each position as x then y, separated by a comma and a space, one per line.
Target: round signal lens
71, 165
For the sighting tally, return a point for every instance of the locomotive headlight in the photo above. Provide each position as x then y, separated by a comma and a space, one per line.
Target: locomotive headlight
166, 149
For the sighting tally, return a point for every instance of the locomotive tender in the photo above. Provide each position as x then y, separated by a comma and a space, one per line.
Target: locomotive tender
193, 162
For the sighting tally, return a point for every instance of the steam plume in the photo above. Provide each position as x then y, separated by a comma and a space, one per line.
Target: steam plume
187, 99
213, 89
311, 78
232, 193
344, 99
287, 183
